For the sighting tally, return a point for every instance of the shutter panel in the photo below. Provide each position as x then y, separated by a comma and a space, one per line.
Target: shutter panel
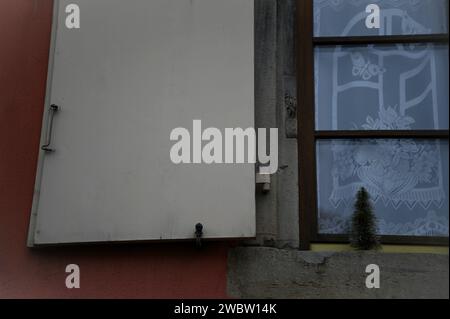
133, 72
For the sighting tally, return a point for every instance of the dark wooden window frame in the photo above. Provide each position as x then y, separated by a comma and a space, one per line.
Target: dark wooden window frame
307, 134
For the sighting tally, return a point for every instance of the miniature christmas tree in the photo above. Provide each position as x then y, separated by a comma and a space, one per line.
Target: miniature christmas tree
364, 224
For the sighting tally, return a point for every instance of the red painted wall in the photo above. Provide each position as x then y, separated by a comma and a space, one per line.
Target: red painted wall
126, 271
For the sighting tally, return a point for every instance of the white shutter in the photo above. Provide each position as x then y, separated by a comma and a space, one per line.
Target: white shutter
133, 72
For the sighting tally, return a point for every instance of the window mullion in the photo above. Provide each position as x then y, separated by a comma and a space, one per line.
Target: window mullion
395, 39
425, 134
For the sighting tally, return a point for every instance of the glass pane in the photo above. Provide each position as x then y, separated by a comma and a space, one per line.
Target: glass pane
399, 17
407, 180
382, 87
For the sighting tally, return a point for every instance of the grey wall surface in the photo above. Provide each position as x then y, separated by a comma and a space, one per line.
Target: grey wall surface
260, 272
266, 109
275, 106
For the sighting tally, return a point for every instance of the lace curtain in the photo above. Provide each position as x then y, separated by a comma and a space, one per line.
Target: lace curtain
383, 87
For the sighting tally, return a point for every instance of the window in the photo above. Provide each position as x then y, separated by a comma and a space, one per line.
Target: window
374, 112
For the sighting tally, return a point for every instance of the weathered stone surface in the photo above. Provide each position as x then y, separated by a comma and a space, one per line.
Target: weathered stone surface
260, 272
265, 110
